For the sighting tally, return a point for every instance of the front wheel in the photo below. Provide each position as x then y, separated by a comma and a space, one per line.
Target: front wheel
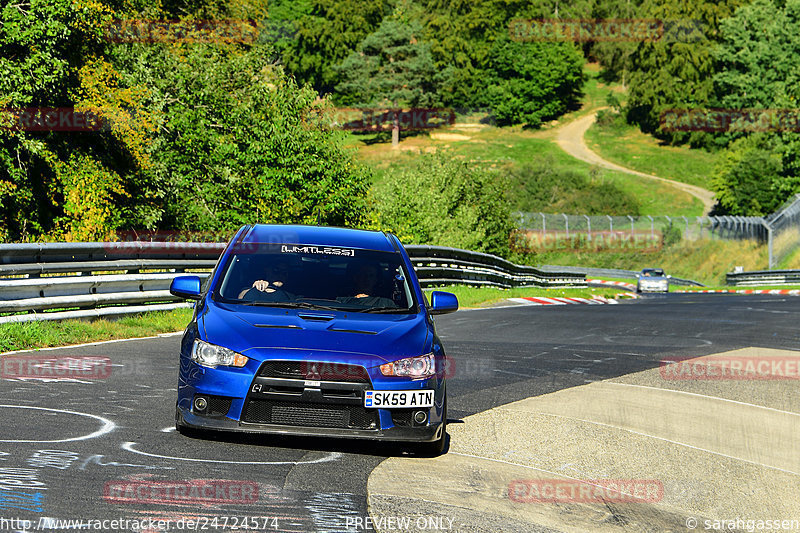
435, 448
182, 428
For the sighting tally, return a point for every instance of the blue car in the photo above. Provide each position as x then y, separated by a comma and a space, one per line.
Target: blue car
314, 331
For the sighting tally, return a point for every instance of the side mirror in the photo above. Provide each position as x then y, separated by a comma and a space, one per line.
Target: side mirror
186, 287
443, 302
669, 276
638, 276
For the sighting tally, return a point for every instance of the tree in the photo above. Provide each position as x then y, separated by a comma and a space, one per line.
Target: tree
391, 67
675, 73
758, 70
757, 66
237, 142
533, 82
327, 35
444, 202
543, 186
463, 33
45, 48
614, 56
749, 178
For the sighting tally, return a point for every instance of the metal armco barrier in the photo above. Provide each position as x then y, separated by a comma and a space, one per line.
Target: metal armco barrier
763, 277
96, 279
55, 281
437, 265
616, 273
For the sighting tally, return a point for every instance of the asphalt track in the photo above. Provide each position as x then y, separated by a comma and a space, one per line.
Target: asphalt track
67, 446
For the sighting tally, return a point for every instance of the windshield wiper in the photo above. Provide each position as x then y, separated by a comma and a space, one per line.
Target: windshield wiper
292, 305
383, 310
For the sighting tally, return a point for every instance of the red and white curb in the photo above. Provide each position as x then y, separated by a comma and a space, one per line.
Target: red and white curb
794, 292
541, 300
621, 284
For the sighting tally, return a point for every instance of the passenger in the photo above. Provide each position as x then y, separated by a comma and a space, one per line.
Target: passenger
363, 278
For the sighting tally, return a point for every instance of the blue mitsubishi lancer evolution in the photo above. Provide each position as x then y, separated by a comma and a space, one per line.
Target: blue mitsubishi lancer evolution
314, 331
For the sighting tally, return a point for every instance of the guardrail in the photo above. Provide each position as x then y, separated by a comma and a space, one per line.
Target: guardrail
55, 281
616, 273
437, 265
91, 280
763, 277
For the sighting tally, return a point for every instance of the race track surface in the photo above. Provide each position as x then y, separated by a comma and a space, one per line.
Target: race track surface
105, 448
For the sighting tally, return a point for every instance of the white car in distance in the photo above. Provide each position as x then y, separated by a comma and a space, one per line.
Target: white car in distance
652, 280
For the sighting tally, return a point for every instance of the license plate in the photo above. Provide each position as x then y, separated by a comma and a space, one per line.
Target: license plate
397, 399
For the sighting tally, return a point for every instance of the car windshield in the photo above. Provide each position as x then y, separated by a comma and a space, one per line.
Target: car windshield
321, 277
653, 273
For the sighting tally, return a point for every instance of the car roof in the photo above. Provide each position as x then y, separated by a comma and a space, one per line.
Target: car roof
317, 236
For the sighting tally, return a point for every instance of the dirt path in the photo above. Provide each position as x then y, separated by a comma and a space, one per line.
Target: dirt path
570, 138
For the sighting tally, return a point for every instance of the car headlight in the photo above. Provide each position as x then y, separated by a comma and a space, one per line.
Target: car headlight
211, 355
423, 366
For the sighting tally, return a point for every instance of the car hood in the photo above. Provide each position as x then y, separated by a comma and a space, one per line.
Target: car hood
264, 333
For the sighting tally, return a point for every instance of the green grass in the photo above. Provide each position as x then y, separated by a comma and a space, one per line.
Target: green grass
627, 146
30, 335
485, 296
33, 335
503, 148
706, 261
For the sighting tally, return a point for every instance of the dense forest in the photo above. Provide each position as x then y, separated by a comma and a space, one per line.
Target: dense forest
204, 129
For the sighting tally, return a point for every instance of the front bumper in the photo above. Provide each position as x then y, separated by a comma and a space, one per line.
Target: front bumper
291, 406
653, 288
428, 433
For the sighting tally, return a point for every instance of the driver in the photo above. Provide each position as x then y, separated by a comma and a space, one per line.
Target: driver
272, 282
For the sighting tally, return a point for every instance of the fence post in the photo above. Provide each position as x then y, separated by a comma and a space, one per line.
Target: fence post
588, 228
769, 246
631, 219
687, 224
566, 223
652, 228
610, 224
544, 224
769, 243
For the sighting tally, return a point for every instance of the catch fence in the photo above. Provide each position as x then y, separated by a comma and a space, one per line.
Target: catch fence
554, 232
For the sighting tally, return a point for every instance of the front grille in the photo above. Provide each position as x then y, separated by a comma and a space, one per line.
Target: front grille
218, 406
314, 370
309, 414
281, 369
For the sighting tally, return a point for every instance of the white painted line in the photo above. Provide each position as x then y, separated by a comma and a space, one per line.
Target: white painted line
567, 300
560, 300
331, 456
703, 396
670, 441
108, 425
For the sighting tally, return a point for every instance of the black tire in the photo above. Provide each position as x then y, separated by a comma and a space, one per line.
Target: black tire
182, 428
437, 447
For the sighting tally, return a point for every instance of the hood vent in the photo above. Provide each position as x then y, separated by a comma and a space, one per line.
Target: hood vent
322, 318
348, 330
